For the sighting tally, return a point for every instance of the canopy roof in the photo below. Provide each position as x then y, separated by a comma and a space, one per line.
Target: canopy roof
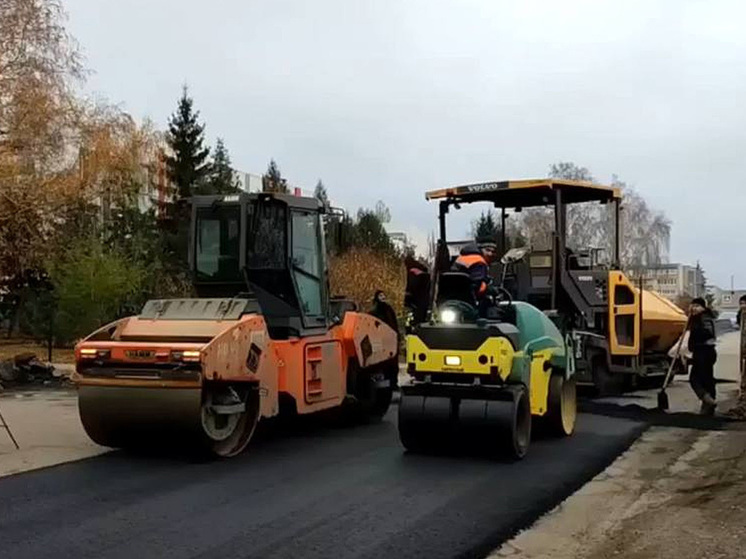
527, 193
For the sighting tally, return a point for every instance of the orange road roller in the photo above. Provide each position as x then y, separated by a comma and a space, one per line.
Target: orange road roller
263, 334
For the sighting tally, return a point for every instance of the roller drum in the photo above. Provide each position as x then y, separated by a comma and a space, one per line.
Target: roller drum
424, 422
155, 418
499, 426
496, 427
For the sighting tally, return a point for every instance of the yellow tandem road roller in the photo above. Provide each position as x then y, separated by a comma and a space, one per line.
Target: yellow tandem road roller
263, 334
478, 382
562, 315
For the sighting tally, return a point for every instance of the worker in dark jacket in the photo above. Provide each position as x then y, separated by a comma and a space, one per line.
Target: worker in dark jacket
475, 260
741, 309
702, 342
384, 312
417, 291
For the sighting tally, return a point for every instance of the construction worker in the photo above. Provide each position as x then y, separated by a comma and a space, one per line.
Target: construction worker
386, 314
475, 260
741, 309
383, 311
417, 292
702, 342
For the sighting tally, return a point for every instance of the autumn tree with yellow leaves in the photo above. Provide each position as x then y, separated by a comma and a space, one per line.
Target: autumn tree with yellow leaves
71, 172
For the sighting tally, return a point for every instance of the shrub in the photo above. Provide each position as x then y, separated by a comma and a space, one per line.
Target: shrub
359, 272
92, 286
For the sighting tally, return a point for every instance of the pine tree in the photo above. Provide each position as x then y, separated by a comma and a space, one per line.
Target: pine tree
272, 181
486, 227
222, 179
320, 193
187, 166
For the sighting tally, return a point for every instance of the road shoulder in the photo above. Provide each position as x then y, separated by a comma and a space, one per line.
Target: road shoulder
47, 427
677, 492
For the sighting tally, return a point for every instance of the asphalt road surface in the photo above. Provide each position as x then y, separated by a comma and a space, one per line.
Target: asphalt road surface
323, 492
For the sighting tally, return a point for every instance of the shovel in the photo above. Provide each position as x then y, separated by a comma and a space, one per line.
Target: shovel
662, 395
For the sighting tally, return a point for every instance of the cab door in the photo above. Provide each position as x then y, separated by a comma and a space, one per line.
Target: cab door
624, 315
323, 367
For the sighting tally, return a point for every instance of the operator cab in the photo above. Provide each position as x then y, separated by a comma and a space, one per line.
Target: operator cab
267, 247
557, 278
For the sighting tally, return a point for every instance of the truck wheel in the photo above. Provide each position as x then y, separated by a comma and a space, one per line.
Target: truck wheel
604, 382
562, 408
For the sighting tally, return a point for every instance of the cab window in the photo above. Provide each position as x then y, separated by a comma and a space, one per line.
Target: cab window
217, 244
307, 264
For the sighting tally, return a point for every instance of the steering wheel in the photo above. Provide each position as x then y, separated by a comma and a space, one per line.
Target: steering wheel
502, 295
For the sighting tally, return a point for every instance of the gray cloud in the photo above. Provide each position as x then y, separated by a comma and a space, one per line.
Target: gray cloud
386, 99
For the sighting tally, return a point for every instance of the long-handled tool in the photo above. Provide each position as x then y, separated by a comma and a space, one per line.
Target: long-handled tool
662, 395
4, 425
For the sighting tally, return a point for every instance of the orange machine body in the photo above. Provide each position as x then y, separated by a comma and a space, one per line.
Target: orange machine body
313, 370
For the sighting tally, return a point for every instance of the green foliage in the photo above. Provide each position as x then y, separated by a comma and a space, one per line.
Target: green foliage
487, 226
369, 231
272, 181
221, 179
188, 166
93, 285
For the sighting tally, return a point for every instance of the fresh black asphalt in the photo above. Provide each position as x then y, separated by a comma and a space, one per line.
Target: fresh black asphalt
324, 492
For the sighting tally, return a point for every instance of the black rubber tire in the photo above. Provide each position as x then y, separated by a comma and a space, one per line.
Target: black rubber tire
381, 403
561, 415
371, 403
520, 431
605, 383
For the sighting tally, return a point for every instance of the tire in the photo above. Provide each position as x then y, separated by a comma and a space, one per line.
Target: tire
371, 402
604, 382
521, 428
562, 410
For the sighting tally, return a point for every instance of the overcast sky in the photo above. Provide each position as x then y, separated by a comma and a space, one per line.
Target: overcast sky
386, 99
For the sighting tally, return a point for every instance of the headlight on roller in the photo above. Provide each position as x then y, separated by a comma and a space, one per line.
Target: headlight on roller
449, 316
453, 361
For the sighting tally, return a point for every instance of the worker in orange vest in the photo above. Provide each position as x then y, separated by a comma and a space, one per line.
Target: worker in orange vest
475, 259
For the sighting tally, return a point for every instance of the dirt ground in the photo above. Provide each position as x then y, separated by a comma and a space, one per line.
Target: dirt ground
697, 510
9, 348
675, 494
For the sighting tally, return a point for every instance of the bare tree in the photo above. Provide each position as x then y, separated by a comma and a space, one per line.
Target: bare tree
645, 231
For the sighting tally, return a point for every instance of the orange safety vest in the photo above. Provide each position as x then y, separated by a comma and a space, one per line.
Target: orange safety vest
466, 261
